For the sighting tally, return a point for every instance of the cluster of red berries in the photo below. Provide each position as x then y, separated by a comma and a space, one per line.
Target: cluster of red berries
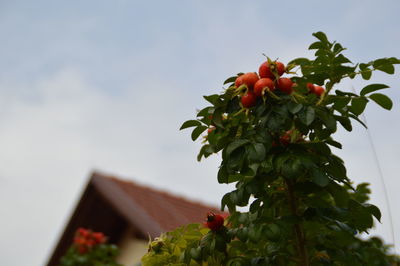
268, 79
86, 239
214, 221
286, 138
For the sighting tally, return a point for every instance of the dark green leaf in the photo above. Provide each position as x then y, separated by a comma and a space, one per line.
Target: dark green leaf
319, 178
222, 175
366, 74
226, 201
345, 122
340, 102
197, 132
307, 115
339, 194
358, 120
299, 61
337, 48
294, 107
360, 216
190, 123
341, 59
382, 100
231, 79
234, 145
212, 98
321, 36
373, 210
394, 60
358, 105
386, 68
205, 151
384, 64
334, 143
206, 112
217, 118
328, 119
372, 87
256, 152
315, 45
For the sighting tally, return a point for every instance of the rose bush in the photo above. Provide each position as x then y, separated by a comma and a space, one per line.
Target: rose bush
276, 147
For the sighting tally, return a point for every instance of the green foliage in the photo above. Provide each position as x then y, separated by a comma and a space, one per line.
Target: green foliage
185, 245
303, 208
100, 255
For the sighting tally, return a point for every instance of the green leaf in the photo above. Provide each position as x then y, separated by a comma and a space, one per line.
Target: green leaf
360, 216
345, 122
315, 45
334, 143
384, 64
307, 115
300, 61
372, 87
358, 105
382, 100
321, 36
339, 194
320, 178
341, 59
226, 201
206, 112
231, 79
256, 152
339, 102
337, 48
212, 98
234, 145
365, 71
366, 74
358, 120
190, 123
205, 151
197, 132
217, 118
373, 210
294, 108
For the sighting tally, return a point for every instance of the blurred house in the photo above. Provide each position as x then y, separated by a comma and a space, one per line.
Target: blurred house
128, 214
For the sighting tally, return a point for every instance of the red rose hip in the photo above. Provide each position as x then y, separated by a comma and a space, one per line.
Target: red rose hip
262, 85
214, 221
285, 85
249, 79
249, 99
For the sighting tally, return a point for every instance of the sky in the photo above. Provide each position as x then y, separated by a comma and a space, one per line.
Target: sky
105, 85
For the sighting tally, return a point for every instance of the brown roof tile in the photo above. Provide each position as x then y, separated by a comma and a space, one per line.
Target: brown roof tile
169, 211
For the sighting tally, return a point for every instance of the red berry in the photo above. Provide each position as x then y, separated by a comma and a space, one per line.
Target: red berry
211, 129
214, 221
318, 90
249, 99
263, 84
285, 139
311, 87
280, 68
285, 85
267, 70
249, 79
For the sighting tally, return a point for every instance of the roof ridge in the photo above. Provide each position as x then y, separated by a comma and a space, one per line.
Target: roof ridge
156, 190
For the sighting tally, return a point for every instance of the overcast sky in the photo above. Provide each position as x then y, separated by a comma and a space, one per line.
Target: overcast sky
105, 85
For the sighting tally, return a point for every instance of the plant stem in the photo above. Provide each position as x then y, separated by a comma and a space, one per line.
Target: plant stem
301, 242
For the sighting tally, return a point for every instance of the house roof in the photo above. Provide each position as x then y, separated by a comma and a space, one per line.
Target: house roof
111, 205
167, 211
